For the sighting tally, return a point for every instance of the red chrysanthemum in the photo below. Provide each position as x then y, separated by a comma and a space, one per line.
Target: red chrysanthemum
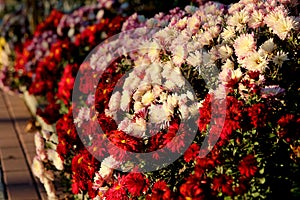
191, 189
136, 183
248, 166
161, 191
223, 183
258, 115
192, 152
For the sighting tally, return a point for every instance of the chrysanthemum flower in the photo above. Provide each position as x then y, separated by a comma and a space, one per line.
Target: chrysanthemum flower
244, 45
280, 23
255, 62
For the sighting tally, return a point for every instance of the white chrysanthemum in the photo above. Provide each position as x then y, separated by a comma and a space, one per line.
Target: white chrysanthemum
244, 45
125, 125
179, 55
177, 78
37, 167
54, 157
114, 102
181, 24
225, 51
131, 83
50, 189
279, 58
154, 72
228, 33
184, 111
125, 100
268, 46
256, 19
206, 38
194, 109
172, 100
157, 90
193, 23
228, 65
279, 23
42, 155
195, 59
39, 141
138, 128
157, 114
167, 35
238, 20
107, 167
228, 74
148, 98
83, 115
255, 62
152, 49
138, 106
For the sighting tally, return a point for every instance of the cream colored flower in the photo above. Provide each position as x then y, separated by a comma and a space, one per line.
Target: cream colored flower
158, 114
228, 33
268, 46
225, 51
228, 74
54, 157
255, 62
238, 20
107, 167
184, 111
50, 189
244, 45
279, 58
256, 19
37, 167
39, 141
148, 98
179, 55
137, 106
195, 59
125, 100
152, 49
228, 65
181, 24
193, 23
114, 102
279, 23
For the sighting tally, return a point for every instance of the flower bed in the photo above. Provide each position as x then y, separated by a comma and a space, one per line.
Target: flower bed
196, 103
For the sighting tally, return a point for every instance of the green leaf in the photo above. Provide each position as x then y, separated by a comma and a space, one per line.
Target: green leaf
262, 180
255, 194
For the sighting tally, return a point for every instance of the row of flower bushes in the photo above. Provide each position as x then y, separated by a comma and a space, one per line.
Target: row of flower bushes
194, 103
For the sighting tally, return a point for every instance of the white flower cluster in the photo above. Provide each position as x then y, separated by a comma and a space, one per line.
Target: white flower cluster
43, 156
150, 96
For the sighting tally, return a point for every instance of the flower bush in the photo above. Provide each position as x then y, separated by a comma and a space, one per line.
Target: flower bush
194, 103
252, 158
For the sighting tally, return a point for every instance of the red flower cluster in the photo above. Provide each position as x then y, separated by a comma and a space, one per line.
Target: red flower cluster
50, 23
133, 183
160, 190
248, 166
289, 126
223, 183
231, 113
67, 136
84, 167
48, 69
258, 115
66, 83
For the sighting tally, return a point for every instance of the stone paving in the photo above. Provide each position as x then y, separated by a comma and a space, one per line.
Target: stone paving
17, 150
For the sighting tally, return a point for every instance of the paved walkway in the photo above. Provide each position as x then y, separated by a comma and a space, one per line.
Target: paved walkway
17, 151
